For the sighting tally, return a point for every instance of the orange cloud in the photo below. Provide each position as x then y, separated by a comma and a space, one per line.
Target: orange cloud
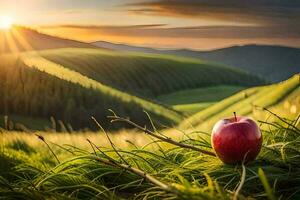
251, 11
157, 35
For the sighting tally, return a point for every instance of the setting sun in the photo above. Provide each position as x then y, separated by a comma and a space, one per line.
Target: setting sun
5, 22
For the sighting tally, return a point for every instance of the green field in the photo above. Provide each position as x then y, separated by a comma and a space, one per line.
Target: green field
290, 105
60, 71
194, 100
148, 74
66, 166
190, 109
37, 87
248, 102
206, 94
91, 81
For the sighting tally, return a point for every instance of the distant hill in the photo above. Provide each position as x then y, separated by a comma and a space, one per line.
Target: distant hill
25, 39
274, 63
125, 47
148, 75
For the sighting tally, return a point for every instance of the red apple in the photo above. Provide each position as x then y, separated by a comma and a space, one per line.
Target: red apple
236, 139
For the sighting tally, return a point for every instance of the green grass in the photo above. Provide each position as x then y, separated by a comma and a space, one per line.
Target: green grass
193, 108
43, 89
28, 169
88, 68
147, 74
60, 71
246, 102
195, 100
290, 105
206, 94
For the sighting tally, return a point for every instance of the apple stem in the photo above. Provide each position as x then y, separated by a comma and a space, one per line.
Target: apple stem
235, 116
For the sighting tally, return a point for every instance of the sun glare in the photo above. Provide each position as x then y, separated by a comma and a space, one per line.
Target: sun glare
5, 22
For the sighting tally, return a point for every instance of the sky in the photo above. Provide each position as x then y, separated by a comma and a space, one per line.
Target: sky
193, 24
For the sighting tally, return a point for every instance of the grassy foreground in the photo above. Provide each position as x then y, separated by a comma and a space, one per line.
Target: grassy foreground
31, 170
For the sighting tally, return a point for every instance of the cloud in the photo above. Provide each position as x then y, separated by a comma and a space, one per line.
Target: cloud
250, 11
68, 12
95, 27
194, 37
163, 31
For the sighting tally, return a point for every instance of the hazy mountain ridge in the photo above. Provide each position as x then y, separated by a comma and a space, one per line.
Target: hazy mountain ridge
274, 63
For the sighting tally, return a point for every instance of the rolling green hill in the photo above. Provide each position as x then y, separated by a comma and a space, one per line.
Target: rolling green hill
247, 102
194, 100
85, 82
147, 74
32, 86
274, 63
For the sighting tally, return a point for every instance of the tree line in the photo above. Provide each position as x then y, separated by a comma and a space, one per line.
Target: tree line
28, 92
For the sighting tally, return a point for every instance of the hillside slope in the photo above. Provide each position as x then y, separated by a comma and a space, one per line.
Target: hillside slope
18, 38
146, 74
275, 63
32, 86
125, 47
249, 102
194, 100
